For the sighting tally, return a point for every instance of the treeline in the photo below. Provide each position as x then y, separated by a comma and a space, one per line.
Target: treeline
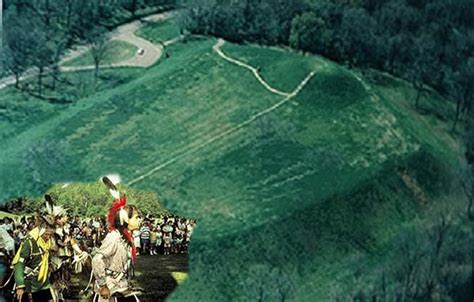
37, 33
430, 260
427, 42
86, 199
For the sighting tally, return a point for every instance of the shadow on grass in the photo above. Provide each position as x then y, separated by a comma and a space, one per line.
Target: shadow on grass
154, 275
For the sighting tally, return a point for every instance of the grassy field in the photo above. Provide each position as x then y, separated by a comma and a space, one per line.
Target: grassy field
21, 111
290, 195
158, 32
282, 69
116, 51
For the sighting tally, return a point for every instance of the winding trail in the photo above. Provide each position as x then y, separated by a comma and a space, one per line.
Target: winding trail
152, 53
188, 151
217, 49
126, 33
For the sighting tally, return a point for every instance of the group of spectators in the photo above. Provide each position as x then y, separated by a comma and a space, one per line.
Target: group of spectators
157, 235
166, 235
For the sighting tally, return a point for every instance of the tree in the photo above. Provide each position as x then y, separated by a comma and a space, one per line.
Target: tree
198, 16
461, 87
229, 21
87, 19
405, 268
1, 40
396, 24
437, 236
310, 33
286, 11
93, 198
43, 53
423, 64
133, 6
17, 48
467, 177
357, 37
262, 23
58, 49
97, 41
266, 282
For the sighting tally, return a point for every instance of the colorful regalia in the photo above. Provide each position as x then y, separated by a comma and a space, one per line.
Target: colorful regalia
112, 263
31, 263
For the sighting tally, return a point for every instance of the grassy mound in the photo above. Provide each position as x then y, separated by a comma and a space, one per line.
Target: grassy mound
287, 193
282, 69
310, 251
21, 111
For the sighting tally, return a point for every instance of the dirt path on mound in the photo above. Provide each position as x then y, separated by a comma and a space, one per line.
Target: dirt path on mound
191, 150
217, 49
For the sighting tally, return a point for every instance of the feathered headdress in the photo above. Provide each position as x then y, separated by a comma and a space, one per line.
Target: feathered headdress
51, 212
118, 209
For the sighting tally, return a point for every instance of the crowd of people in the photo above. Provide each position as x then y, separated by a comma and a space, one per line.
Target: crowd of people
76, 238
43, 251
157, 235
167, 235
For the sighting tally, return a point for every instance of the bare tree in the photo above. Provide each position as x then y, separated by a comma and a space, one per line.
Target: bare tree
97, 40
422, 68
467, 176
438, 236
460, 84
42, 53
17, 49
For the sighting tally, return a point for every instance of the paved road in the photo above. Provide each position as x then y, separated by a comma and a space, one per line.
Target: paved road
125, 33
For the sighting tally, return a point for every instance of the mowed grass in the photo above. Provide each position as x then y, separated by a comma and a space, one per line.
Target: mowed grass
178, 120
20, 111
284, 195
116, 51
158, 32
434, 115
282, 69
178, 104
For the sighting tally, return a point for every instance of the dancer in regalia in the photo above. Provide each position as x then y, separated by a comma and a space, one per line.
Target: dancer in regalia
66, 255
112, 262
31, 263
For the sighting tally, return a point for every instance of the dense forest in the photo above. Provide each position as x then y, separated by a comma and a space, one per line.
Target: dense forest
429, 43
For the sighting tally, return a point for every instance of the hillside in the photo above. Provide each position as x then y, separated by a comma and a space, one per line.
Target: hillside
288, 182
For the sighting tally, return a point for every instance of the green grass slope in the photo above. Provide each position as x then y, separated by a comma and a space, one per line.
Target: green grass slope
288, 194
20, 111
158, 32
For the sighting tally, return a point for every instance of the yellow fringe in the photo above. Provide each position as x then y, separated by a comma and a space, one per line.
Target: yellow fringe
45, 246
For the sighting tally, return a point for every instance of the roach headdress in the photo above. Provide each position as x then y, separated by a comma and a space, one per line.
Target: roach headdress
118, 209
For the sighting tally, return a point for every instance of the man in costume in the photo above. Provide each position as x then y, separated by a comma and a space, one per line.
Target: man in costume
112, 262
31, 263
7, 244
65, 251
7, 250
